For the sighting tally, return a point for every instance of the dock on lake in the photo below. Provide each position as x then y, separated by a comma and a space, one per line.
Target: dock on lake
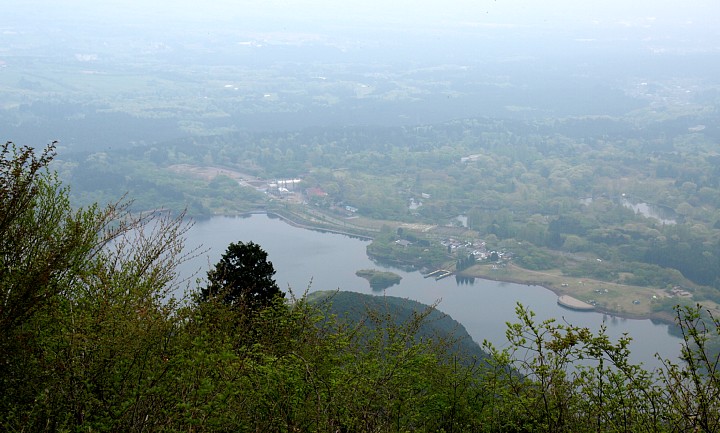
434, 273
439, 274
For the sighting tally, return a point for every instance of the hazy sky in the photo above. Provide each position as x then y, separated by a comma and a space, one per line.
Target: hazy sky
657, 13
689, 25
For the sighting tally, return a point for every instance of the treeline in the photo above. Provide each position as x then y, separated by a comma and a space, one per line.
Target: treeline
416, 253
352, 308
563, 184
92, 339
648, 252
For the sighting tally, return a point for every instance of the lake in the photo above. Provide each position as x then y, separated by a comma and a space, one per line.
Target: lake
307, 259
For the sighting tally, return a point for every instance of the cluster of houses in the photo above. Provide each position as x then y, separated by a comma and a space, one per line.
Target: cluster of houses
283, 187
316, 195
415, 203
477, 248
680, 292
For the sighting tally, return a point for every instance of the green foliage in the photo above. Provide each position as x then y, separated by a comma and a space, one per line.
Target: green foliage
379, 280
532, 257
384, 248
572, 380
93, 340
243, 278
353, 308
692, 388
33, 248
87, 321
565, 183
465, 262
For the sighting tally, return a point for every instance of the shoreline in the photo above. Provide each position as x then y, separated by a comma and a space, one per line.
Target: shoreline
303, 225
668, 318
273, 214
662, 317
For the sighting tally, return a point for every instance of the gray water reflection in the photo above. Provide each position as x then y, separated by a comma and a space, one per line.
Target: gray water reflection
664, 215
323, 261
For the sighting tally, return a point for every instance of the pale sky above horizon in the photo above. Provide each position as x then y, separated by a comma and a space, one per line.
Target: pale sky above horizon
695, 20
506, 12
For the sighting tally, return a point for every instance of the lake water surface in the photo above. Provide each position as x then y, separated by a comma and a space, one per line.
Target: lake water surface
307, 259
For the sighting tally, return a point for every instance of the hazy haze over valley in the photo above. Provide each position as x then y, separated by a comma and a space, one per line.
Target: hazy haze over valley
311, 63
545, 172
547, 123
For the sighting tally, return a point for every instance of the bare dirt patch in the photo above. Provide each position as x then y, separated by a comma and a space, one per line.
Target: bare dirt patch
209, 173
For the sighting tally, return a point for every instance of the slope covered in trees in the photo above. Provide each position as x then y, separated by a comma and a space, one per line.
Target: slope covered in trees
94, 341
353, 308
570, 186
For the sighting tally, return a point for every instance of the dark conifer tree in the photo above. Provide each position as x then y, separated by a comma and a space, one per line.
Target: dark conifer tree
243, 278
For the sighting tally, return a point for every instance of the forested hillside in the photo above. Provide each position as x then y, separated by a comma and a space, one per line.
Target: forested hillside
92, 340
550, 145
355, 308
641, 194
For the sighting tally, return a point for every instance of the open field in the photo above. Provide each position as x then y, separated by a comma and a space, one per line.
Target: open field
621, 299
